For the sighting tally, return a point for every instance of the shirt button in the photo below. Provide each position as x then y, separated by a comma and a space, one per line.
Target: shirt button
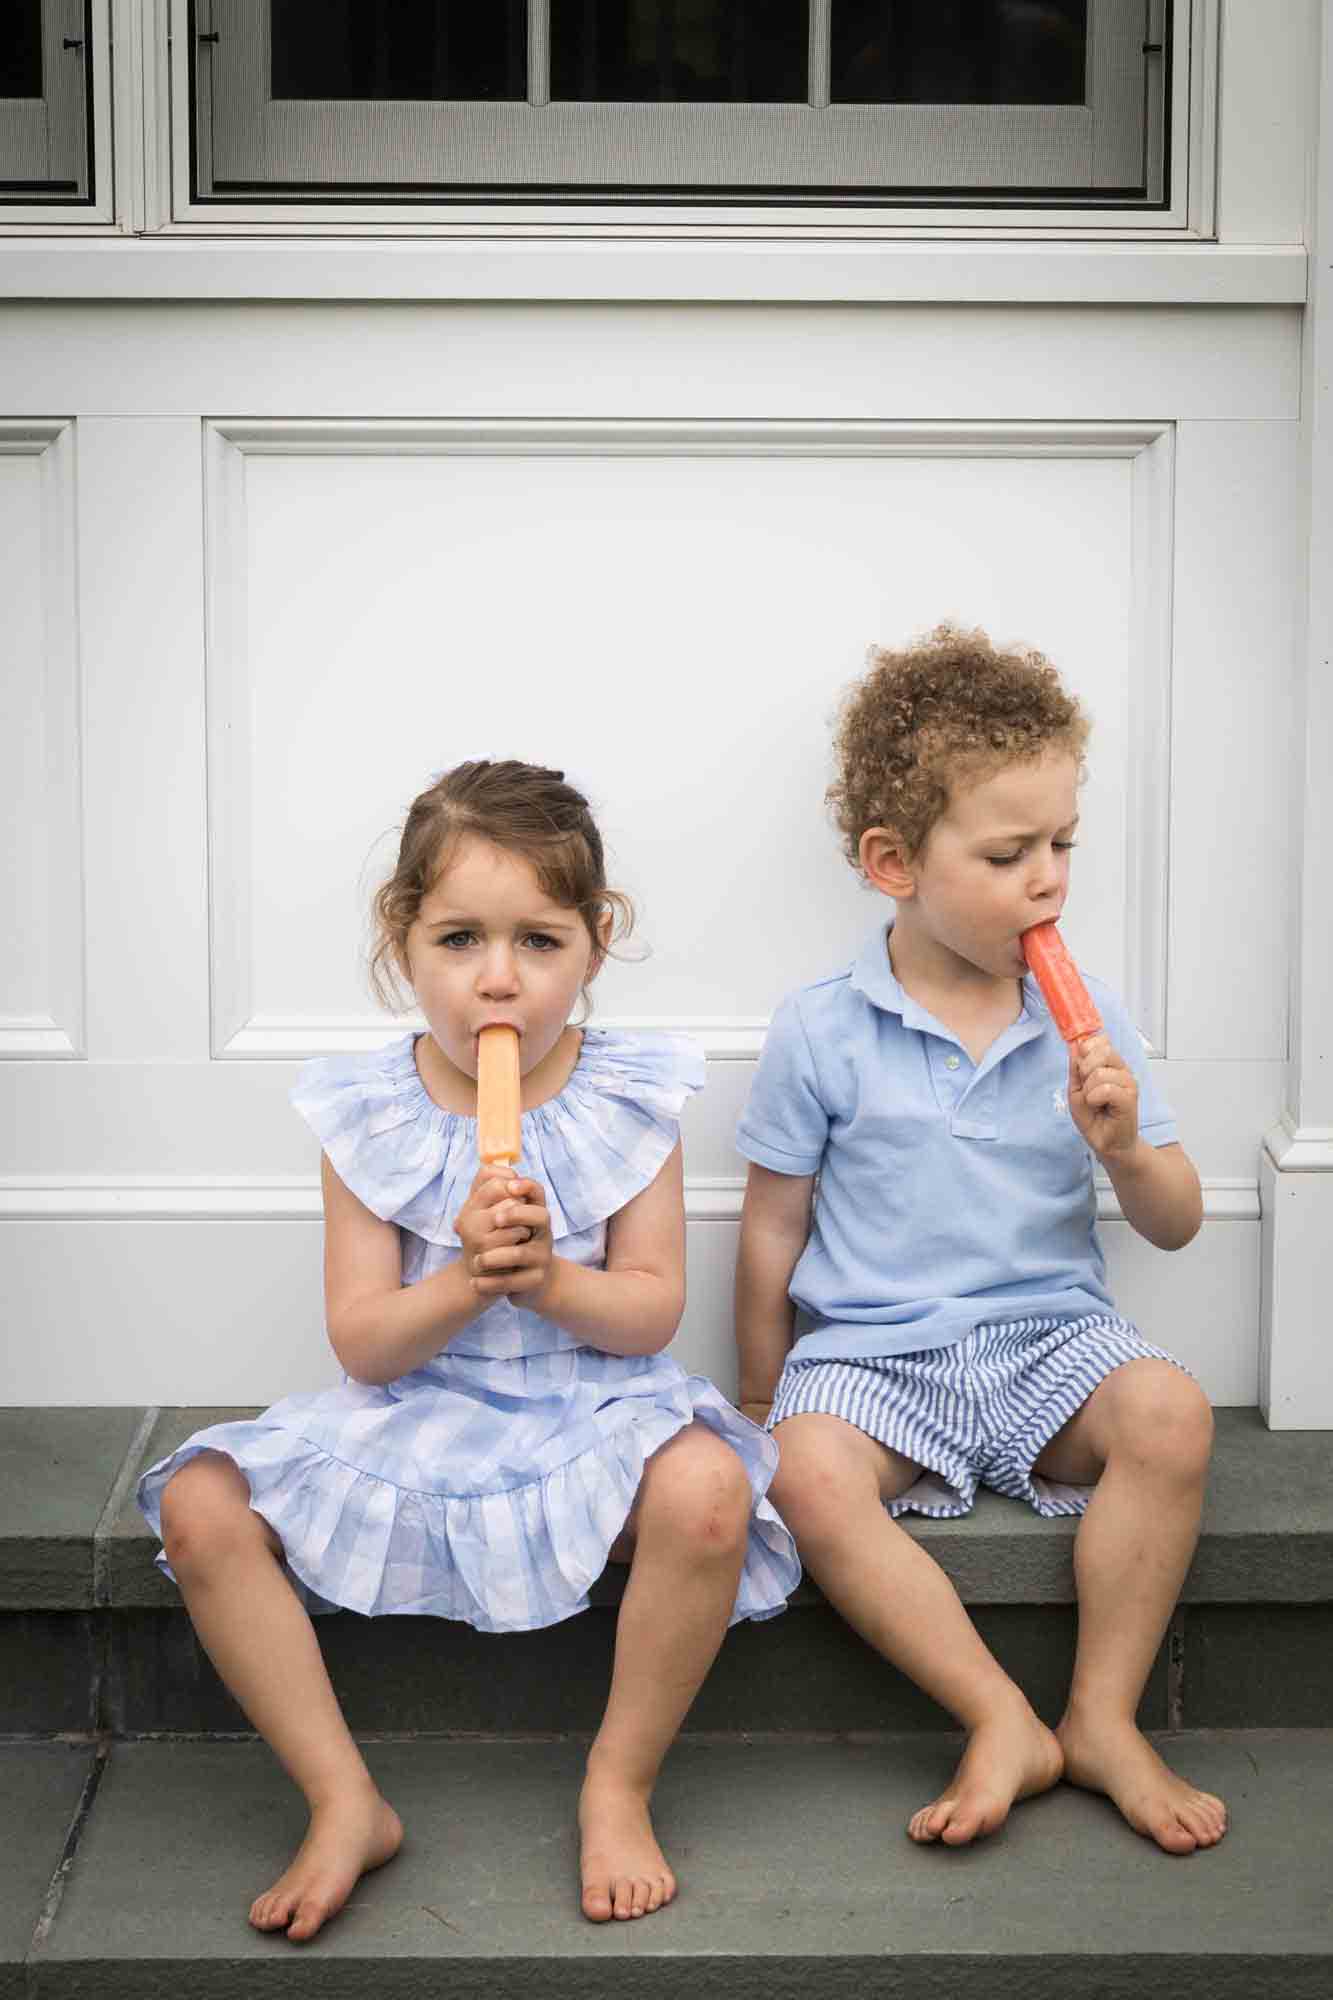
951, 1062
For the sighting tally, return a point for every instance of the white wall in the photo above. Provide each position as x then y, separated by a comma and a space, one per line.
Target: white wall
279, 562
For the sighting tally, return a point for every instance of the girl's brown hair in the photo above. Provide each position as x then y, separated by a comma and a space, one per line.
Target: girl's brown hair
949, 710
531, 812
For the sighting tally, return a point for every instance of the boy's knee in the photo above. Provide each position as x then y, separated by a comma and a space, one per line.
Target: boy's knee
1165, 1418
815, 1474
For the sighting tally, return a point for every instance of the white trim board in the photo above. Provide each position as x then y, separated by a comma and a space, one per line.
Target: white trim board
296, 1198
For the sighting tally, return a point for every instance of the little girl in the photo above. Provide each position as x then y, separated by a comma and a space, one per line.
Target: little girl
508, 1421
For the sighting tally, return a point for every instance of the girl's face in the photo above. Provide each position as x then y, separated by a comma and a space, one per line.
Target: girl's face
997, 861
490, 946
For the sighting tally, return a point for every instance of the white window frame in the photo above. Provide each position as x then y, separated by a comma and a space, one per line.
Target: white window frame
1188, 212
76, 211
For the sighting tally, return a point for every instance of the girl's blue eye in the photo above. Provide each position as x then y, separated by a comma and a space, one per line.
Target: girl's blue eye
543, 941
1064, 845
456, 940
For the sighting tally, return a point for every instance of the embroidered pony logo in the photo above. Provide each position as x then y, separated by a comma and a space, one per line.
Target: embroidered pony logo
1059, 1102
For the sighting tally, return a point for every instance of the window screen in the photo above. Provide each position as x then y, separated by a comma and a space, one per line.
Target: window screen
1048, 101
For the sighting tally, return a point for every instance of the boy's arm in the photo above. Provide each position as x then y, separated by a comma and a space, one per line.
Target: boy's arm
775, 1223
1156, 1186
1158, 1190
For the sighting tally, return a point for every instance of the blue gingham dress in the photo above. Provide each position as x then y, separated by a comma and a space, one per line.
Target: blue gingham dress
489, 1484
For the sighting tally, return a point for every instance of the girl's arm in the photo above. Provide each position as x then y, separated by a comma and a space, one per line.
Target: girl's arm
633, 1305
379, 1327
775, 1224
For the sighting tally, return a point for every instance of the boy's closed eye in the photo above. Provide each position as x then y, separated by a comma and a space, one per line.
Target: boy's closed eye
1007, 860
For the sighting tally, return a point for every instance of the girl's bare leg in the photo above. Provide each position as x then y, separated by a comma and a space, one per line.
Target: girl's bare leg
250, 1622
1144, 1436
830, 1489
690, 1525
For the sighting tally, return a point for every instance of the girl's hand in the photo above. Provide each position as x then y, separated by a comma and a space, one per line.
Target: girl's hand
1103, 1098
505, 1231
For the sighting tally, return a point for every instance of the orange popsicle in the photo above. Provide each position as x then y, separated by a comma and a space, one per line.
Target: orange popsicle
497, 1096
1071, 1005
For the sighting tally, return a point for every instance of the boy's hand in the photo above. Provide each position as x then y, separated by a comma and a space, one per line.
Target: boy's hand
1103, 1098
505, 1231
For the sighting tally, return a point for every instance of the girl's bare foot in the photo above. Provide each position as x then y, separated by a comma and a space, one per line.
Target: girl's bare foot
1107, 1754
1008, 1757
625, 1873
348, 1836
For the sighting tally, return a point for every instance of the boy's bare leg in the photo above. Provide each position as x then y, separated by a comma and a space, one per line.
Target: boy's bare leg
253, 1627
830, 1489
690, 1526
1144, 1436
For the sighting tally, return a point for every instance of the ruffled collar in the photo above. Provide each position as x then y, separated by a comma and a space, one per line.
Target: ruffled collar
598, 1142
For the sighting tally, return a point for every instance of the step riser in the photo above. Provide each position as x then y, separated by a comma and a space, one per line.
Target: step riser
138, 1672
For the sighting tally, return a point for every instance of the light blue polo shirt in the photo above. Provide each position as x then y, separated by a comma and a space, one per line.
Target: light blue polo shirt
949, 1192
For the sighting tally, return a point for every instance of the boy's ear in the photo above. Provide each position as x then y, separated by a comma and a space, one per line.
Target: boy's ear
884, 858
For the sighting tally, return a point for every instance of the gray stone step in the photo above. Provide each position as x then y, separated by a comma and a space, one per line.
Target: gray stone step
796, 1878
91, 1635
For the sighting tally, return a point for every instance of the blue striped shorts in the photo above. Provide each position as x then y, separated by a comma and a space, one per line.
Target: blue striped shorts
979, 1412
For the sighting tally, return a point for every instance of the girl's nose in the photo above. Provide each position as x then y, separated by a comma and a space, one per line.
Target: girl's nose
498, 978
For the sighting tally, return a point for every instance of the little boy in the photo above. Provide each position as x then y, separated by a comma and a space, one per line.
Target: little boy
921, 1192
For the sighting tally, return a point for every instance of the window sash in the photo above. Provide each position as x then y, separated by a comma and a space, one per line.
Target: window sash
44, 140
247, 142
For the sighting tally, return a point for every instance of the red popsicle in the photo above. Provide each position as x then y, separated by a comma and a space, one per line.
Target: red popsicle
1072, 1007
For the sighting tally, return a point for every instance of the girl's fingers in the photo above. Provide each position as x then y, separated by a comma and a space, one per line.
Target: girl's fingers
531, 1216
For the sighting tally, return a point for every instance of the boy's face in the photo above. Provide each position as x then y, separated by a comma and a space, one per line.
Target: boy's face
997, 862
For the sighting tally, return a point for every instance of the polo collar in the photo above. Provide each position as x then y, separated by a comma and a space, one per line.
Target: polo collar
873, 975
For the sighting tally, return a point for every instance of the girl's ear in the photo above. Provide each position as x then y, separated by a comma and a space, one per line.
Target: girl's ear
606, 925
886, 864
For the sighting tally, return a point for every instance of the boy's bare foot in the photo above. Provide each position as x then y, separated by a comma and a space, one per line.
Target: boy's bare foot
347, 1837
625, 1873
1107, 1754
1007, 1758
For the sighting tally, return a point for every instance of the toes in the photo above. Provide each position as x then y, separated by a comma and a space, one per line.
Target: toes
310, 1917
622, 1897
1168, 1832
271, 1912
597, 1902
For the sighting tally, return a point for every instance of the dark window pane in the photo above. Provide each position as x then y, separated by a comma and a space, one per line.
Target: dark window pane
680, 51
421, 49
959, 51
21, 48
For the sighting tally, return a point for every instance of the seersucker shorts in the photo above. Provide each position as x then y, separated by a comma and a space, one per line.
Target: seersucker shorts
979, 1412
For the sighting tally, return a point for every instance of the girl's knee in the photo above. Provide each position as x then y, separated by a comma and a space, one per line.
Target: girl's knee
698, 1491
206, 1514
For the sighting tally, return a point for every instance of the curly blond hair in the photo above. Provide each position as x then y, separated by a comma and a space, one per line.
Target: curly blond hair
948, 711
